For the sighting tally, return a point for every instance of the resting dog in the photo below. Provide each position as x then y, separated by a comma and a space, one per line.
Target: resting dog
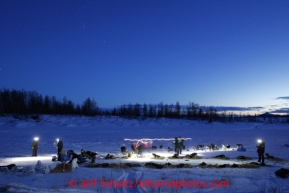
108, 156
212, 147
225, 147
170, 149
269, 156
87, 154
175, 156
156, 156
129, 154
193, 155
10, 166
239, 145
199, 147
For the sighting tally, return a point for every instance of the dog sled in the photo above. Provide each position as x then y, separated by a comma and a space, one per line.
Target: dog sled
148, 143
144, 144
138, 145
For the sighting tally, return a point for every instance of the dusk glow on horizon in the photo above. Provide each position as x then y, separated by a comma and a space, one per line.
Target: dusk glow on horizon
227, 54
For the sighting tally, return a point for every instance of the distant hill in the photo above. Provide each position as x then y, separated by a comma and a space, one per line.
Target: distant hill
268, 115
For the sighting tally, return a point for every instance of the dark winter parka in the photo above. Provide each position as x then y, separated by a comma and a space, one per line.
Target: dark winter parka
35, 145
261, 147
176, 142
59, 145
123, 149
181, 143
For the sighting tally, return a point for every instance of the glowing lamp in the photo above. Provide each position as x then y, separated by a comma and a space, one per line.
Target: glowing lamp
36, 138
57, 140
259, 141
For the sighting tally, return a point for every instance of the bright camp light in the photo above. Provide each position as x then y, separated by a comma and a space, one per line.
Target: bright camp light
28, 159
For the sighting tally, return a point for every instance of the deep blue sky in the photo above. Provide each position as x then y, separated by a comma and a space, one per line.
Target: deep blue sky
219, 53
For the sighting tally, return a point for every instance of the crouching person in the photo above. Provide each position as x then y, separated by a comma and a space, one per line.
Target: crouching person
71, 155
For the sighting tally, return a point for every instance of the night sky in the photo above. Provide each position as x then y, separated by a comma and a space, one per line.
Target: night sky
220, 53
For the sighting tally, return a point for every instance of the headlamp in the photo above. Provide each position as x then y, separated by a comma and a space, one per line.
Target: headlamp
259, 141
36, 138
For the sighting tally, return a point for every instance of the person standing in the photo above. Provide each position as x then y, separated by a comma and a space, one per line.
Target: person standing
176, 144
261, 151
59, 147
35, 147
181, 145
123, 149
139, 147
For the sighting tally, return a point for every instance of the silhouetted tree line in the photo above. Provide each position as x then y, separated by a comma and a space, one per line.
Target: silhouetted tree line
161, 110
192, 111
23, 102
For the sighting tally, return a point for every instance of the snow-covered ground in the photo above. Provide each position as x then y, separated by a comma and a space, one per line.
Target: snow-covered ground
106, 135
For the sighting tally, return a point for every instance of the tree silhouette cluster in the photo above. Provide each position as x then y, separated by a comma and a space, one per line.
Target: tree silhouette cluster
22, 102
26, 103
191, 111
